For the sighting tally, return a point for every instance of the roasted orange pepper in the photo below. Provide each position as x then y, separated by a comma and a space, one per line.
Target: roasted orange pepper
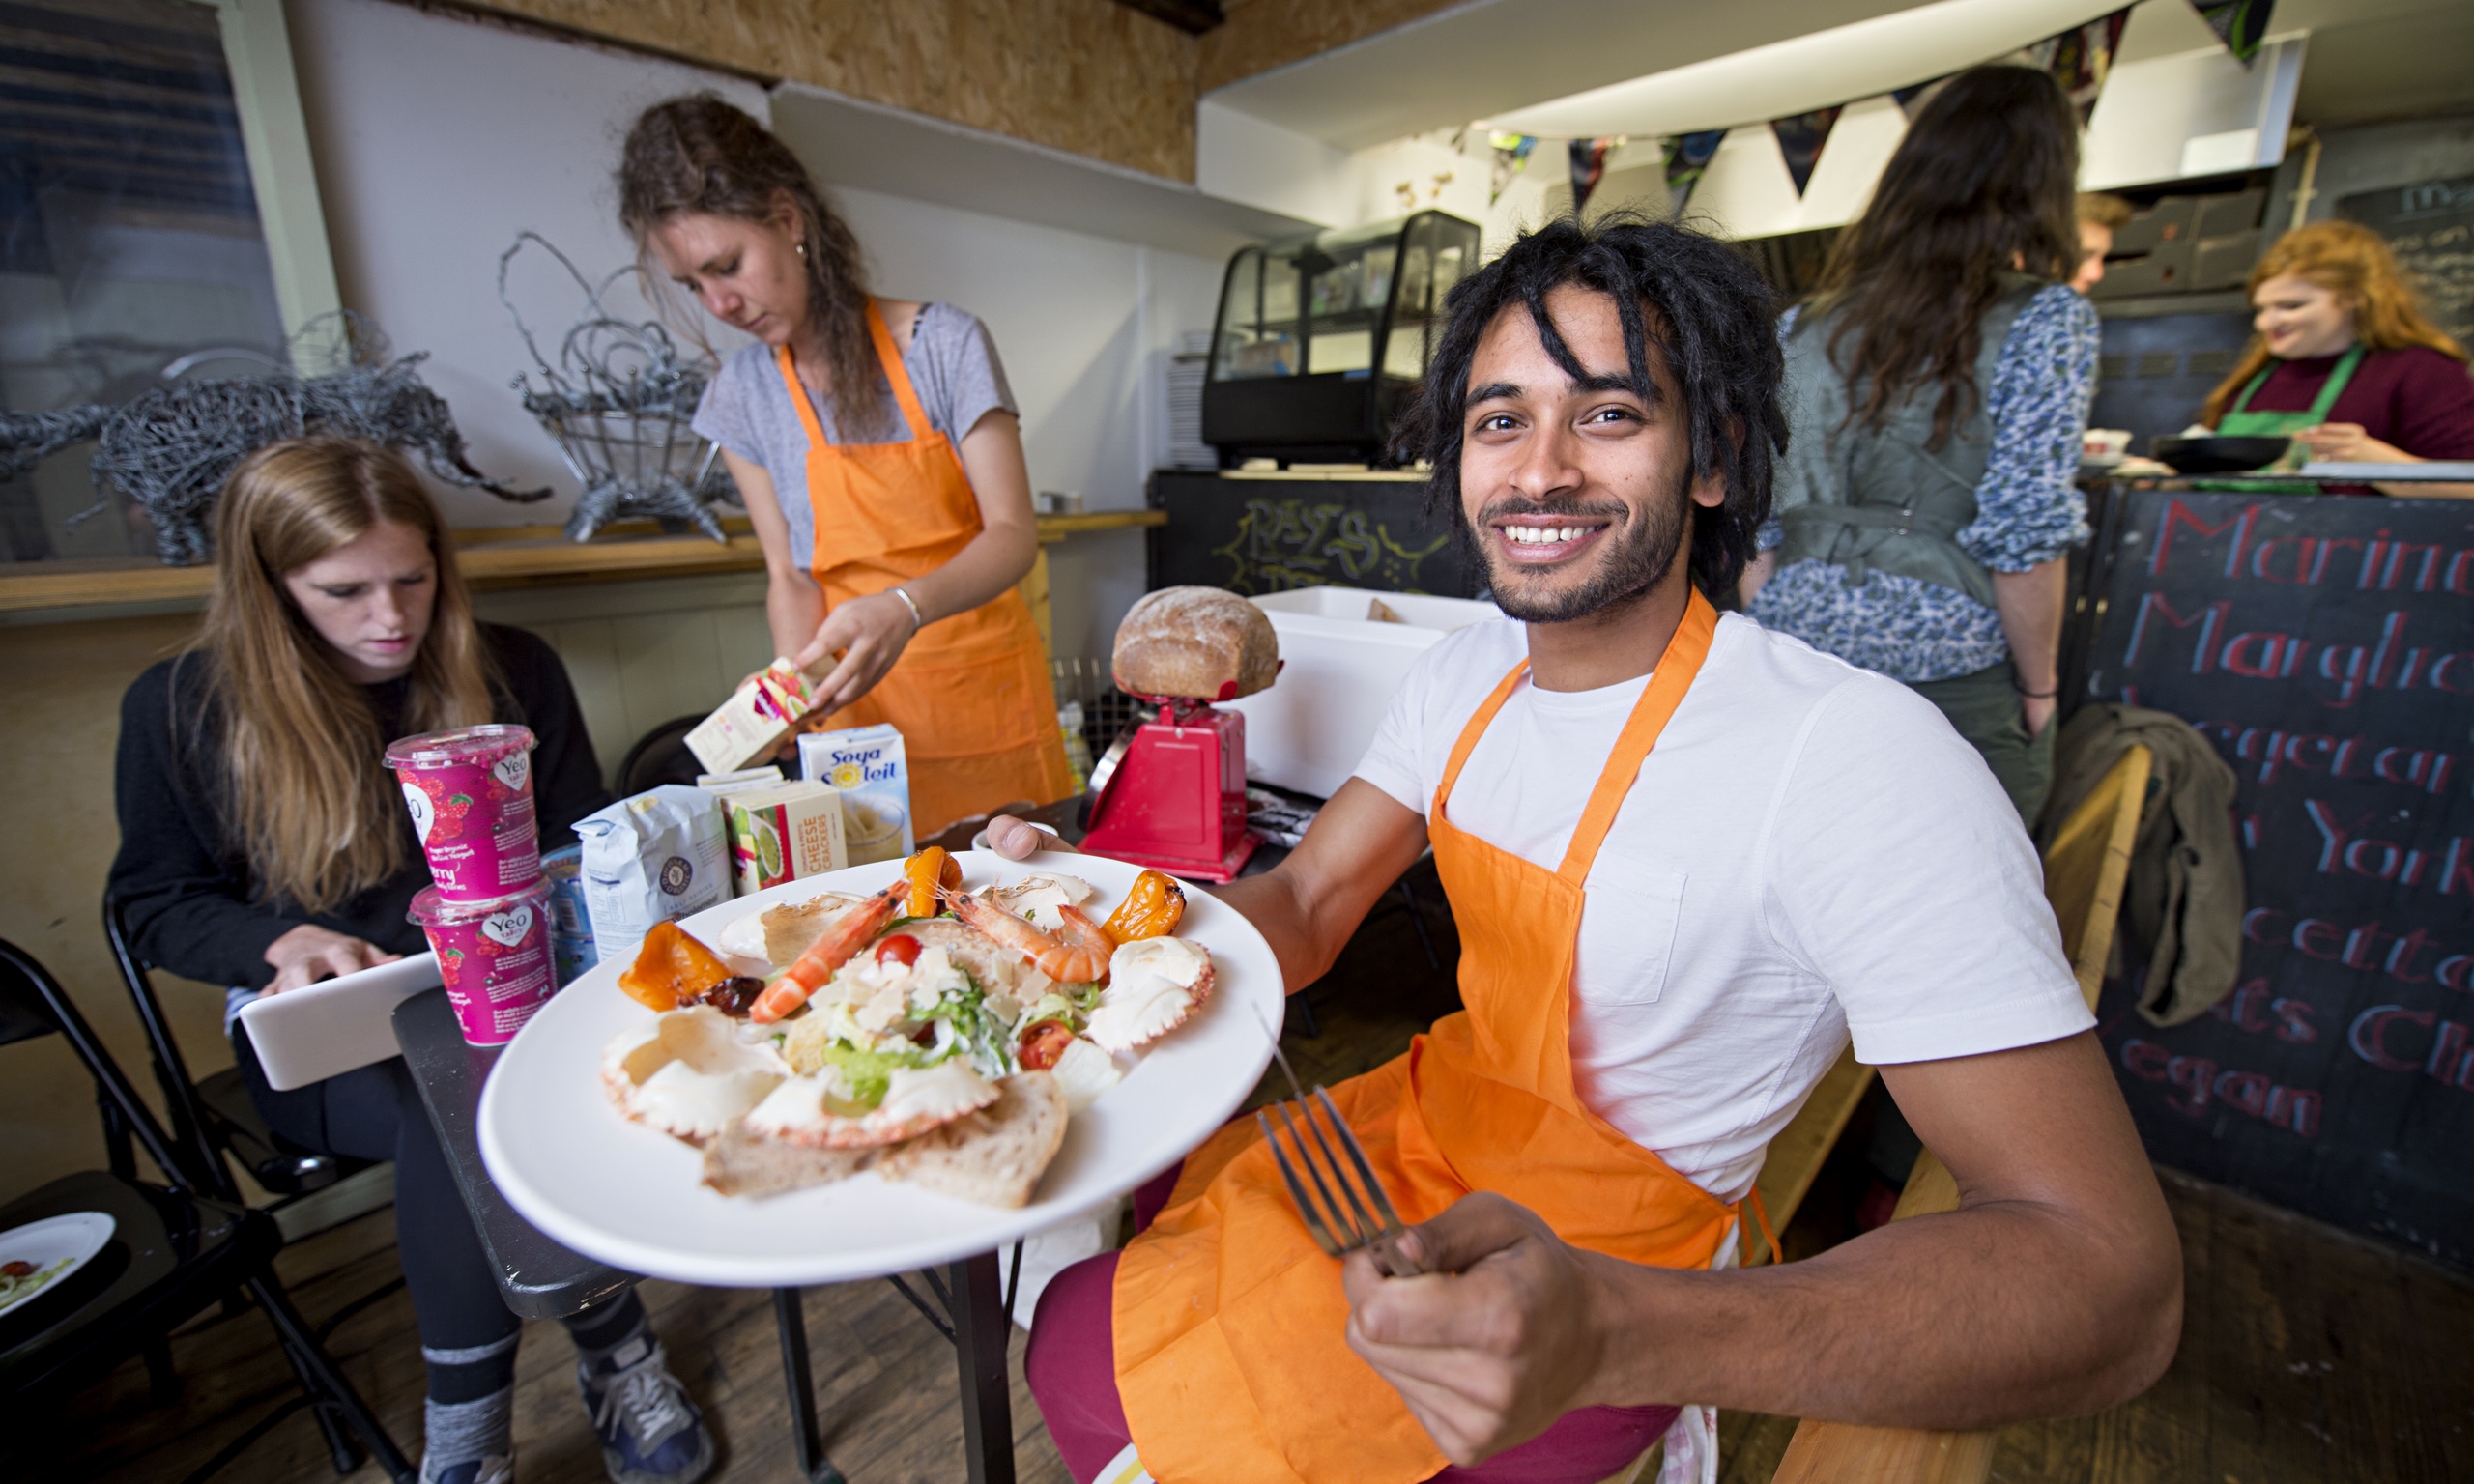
671, 969
927, 870
1152, 909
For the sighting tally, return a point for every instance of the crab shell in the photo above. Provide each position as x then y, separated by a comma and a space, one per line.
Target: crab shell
1155, 984
1036, 899
917, 1098
687, 1073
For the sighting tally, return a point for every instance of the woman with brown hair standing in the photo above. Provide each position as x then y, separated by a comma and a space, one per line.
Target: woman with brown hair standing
265, 845
878, 449
1939, 385
2346, 362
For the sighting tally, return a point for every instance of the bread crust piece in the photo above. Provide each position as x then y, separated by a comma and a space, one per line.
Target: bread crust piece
994, 1157
1199, 642
742, 1163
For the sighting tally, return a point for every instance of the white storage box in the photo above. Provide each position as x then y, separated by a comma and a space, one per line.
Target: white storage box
1338, 669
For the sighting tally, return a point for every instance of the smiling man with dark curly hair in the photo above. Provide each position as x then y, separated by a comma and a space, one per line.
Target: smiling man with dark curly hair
1689, 860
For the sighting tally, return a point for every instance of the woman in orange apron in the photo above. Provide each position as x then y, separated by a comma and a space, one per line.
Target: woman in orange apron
1227, 1320
875, 445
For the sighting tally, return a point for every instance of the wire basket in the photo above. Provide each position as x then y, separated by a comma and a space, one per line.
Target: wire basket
620, 404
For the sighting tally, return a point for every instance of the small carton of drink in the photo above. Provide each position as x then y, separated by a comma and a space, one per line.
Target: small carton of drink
784, 832
867, 765
754, 719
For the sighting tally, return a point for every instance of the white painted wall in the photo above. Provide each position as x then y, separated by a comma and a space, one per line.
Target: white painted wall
437, 139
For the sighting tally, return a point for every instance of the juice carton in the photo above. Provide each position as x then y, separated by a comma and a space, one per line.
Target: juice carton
754, 719
783, 833
866, 764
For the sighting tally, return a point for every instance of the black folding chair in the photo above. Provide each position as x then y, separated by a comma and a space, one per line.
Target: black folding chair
174, 1251
215, 1119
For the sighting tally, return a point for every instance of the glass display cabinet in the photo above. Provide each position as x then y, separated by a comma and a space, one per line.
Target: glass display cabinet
1322, 339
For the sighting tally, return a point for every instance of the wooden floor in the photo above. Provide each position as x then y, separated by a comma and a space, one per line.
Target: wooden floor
2307, 1355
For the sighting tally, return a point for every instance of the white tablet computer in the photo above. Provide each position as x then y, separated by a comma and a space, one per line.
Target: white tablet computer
310, 1034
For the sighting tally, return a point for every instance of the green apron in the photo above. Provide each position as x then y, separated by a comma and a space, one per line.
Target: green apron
2241, 423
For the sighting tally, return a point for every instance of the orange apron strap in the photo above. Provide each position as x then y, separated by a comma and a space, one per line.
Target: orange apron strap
1760, 1214
799, 398
898, 375
1676, 669
1476, 728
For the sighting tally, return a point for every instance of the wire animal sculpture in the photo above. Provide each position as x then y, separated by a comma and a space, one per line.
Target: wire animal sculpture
170, 448
619, 403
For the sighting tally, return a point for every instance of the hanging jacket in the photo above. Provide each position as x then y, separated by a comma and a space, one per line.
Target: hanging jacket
2182, 905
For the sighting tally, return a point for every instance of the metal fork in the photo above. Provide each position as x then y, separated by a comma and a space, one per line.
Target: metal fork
1361, 1216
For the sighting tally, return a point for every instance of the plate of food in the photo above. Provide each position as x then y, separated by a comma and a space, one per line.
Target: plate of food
39, 1254
880, 1068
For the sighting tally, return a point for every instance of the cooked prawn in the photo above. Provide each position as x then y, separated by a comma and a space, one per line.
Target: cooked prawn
1078, 929
1066, 963
851, 933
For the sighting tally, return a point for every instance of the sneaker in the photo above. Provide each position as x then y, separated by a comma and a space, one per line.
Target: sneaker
651, 1432
490, 1468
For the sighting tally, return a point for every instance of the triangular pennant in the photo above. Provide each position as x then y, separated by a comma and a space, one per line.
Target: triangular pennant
2239, 24
1511, 152
1589, 163
1910, 101
2079, 58
1800, 138
1687, 157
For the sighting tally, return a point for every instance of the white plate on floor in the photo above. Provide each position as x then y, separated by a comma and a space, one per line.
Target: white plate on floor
72, 1240
634, 1198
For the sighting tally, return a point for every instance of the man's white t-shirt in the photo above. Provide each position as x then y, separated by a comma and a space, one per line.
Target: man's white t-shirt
1809, 851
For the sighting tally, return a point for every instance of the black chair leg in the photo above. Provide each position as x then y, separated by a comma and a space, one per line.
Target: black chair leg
162, 1382
1304, 1009
330, 1388
791, 1318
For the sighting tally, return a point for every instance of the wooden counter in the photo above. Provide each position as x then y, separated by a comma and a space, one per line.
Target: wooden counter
491, 556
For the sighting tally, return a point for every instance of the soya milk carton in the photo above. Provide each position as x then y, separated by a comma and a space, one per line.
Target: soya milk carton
866, 765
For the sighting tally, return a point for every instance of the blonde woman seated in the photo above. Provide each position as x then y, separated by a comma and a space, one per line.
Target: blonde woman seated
264, 845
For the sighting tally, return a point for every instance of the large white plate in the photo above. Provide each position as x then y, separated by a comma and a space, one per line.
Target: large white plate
633, 1198
77, 1237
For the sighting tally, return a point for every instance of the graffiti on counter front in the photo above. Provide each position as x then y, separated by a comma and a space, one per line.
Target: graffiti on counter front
1282, 543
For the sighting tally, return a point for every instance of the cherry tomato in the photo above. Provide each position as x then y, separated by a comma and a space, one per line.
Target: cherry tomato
1043, 1044
902, 949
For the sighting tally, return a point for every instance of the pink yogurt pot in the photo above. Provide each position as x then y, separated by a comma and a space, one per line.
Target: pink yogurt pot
494, 958
471, 794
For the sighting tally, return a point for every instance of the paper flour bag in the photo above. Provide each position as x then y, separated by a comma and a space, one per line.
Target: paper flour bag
651, 859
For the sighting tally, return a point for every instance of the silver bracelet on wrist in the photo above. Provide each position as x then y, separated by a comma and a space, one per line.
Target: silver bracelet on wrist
907, 601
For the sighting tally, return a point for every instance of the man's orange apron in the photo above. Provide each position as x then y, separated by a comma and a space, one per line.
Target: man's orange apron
1228, 1320
970, 695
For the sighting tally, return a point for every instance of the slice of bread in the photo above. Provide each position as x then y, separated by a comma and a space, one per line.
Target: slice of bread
793, 928
994, 1157
738, 1162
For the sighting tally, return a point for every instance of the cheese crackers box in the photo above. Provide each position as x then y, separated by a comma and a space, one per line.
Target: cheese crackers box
866, 764
783, 833
754, 719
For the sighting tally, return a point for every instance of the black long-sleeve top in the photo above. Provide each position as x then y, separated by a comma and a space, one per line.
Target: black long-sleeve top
192, 903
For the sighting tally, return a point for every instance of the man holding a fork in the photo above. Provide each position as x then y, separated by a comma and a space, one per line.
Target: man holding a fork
1688, 859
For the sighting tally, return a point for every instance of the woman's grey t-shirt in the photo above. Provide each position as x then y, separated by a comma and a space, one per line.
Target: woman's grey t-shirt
748, 409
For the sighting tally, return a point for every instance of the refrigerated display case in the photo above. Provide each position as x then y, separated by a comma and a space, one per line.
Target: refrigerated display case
1320, 340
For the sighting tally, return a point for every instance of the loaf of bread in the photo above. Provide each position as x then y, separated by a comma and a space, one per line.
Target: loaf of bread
1200, 641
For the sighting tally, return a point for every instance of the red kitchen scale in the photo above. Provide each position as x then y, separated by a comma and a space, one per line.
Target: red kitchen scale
1170, 791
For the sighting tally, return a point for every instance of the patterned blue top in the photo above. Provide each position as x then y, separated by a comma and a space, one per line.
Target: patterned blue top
2029, 511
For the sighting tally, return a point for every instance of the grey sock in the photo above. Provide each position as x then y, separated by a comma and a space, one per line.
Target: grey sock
459, 1431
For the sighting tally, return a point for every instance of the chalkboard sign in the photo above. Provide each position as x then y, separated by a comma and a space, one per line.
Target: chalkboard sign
2430, 225
2322, 644
1255, 536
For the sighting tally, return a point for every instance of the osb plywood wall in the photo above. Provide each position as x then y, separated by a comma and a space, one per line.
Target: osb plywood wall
1093, 78
1090, 76
1264, 34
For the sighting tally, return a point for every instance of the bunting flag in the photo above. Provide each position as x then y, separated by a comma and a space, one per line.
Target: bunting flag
2238, 23
1912, 100
1511, 153
1800, 138
1687, 157
2079, 59
1589, 163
